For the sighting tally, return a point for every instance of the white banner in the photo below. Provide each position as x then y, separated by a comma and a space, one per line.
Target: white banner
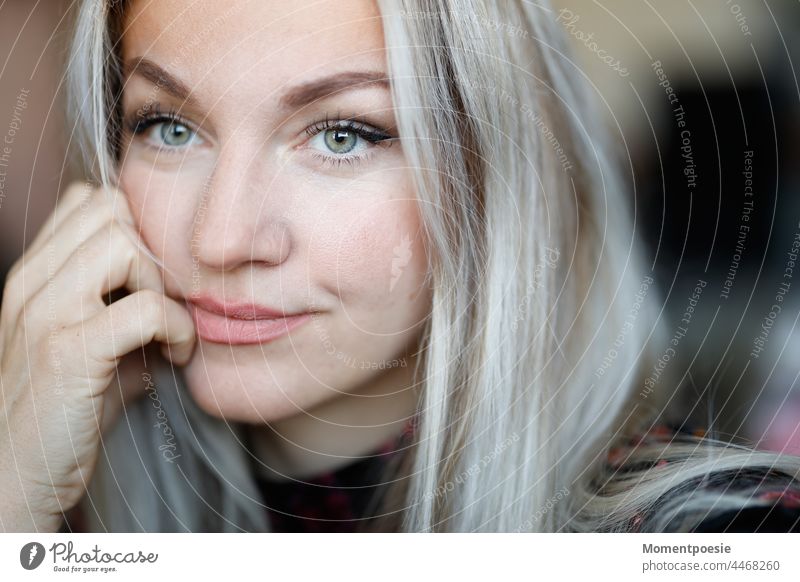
400, 557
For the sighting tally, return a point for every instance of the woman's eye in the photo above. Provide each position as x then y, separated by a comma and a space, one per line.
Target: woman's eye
339, 140
171, 133
174, 134
346, 141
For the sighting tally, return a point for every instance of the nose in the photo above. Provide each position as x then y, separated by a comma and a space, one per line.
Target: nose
240, 216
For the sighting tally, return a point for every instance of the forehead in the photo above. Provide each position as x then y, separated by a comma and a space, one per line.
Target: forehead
246, 43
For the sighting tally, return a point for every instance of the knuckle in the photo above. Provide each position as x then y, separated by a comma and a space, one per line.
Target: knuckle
121, 246
86, 203
77, 192
97, 203
112, 202
151, 306
78, 189
101, 193
121, 205
95, 244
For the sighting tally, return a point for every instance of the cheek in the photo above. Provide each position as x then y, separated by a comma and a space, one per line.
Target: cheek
374, 260
148, 208
164, 216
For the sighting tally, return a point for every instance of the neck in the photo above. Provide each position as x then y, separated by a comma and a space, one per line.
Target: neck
337, 432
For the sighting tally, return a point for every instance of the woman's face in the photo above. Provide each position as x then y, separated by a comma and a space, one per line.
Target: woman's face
260, 162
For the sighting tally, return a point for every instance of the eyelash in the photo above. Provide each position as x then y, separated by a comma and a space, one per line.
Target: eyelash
371, 134
140, 122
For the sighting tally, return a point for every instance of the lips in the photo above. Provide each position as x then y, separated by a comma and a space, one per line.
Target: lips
241, 323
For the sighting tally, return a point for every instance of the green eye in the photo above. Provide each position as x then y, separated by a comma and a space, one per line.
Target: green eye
175, 134
345, 140
340, 140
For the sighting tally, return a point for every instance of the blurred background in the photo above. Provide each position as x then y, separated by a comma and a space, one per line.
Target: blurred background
704, 100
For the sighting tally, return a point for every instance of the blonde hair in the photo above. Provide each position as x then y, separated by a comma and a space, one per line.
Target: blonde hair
536, 274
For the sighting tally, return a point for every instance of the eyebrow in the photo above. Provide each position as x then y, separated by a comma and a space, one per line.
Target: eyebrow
159, 77
317, 89
294, 98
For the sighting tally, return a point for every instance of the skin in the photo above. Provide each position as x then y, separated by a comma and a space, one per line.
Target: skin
249, 206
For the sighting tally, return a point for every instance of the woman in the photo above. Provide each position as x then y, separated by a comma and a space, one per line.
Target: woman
384, 249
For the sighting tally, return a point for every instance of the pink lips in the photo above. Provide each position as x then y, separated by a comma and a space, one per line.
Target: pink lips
240, 323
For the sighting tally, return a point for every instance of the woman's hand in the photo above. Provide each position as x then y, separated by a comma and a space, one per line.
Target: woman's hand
60, 345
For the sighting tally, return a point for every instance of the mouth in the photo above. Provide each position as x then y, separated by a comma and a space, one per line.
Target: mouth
241, 324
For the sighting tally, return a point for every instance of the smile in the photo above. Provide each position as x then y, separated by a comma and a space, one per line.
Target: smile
241, 324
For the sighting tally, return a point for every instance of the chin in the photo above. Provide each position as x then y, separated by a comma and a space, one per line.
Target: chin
237, 392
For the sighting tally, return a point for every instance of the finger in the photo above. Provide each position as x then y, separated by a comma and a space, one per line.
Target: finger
76, 195
135, 321
113, 258
82, 198
38, 265
108, 261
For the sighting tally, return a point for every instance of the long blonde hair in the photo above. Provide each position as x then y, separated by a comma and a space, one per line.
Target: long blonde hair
544, 316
